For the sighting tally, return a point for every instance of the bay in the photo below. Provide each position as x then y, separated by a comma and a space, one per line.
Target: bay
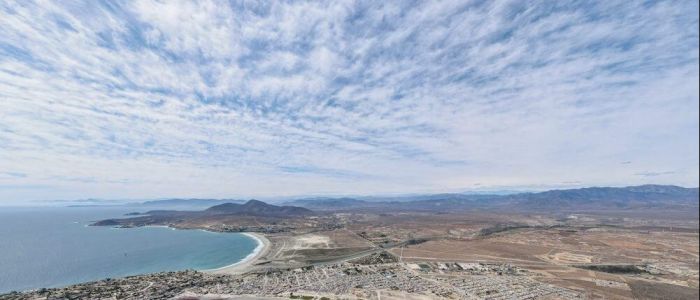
53, 247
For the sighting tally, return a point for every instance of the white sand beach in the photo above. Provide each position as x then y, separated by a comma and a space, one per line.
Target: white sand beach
244, 265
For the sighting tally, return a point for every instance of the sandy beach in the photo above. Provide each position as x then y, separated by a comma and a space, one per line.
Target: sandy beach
245, 264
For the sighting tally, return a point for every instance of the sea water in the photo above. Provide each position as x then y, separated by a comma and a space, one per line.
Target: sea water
53, 247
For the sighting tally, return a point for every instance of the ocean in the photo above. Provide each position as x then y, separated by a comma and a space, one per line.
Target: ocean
53, 247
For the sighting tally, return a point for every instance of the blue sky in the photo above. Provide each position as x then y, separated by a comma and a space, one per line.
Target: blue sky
139, 99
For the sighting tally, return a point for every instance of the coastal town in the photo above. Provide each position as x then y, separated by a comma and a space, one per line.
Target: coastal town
419, 255
346, 280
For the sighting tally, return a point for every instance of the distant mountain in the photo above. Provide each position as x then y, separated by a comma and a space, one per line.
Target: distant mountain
329, 203
176, 203
643, 196
251, 208
188, 202
422, 202
413, 198
633, 197
258, 208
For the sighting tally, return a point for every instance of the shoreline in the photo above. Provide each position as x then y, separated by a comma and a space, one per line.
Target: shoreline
239, 267
244, 264
261, 249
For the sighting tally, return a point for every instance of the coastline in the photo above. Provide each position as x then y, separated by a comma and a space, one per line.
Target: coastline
239, 267
244, 265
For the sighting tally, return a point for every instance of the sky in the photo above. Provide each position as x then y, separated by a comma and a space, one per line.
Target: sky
141, 99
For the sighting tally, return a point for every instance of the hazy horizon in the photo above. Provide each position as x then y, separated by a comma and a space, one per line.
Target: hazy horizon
146, 100
281, 199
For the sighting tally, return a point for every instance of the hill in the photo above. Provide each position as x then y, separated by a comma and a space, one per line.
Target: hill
257, 208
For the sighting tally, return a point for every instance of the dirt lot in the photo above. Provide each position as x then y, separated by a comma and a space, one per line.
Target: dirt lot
476, 250
316, 246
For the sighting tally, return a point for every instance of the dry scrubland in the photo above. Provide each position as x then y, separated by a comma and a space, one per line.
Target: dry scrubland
424, 255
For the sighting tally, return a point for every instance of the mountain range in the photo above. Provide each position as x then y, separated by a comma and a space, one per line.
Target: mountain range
632, 197
655, 198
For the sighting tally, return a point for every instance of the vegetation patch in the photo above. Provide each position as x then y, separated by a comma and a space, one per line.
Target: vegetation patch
615, 269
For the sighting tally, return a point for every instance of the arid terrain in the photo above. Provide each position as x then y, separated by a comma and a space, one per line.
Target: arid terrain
354, 253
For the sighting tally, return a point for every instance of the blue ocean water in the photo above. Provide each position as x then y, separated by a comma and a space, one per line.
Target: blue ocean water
52, 247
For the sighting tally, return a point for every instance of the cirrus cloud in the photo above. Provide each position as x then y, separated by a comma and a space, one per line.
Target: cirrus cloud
224, 99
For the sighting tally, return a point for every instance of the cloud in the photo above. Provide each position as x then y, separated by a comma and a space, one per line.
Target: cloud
220, 99
13, 175
654, 174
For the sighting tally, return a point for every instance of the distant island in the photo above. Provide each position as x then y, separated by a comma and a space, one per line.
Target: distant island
180, 203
